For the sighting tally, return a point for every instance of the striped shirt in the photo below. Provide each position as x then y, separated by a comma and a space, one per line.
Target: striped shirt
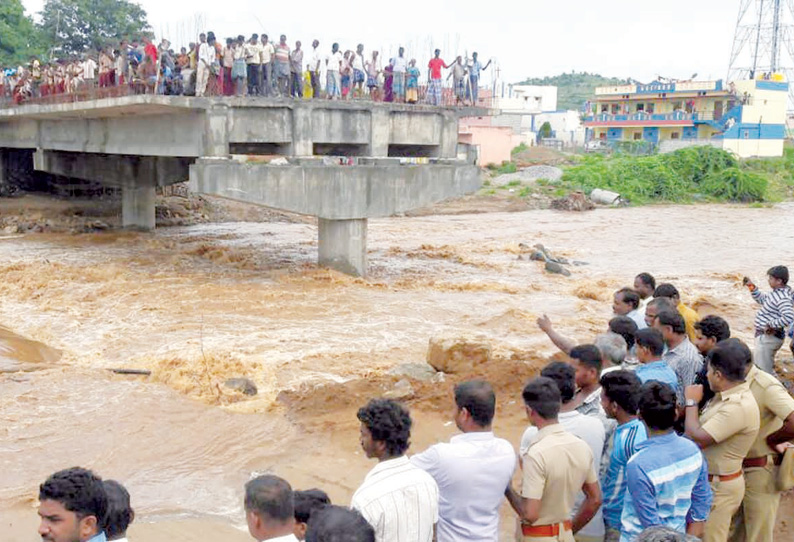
685, 360
627, 437
667, 481
776, 309
399, 500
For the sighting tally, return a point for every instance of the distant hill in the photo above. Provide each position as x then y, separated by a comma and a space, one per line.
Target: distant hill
573, 89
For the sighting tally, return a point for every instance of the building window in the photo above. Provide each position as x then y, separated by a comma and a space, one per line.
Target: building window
651, 107
675, 135
604, 108
745, 134
637, 136
640, 107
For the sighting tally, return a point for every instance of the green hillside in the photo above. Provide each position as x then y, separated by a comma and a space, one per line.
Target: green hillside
573, 89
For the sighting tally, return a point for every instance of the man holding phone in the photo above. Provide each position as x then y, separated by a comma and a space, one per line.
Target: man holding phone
774, 318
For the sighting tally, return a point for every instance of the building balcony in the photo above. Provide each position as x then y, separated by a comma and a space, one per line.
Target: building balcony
641, 118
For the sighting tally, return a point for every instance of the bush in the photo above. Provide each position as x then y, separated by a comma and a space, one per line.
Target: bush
506, 167
676, 176
520, 148
733, 184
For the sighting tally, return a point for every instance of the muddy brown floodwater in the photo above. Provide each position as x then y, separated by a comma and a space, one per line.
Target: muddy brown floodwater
197, 305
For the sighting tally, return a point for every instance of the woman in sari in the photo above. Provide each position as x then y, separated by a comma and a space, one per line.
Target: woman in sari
388, 82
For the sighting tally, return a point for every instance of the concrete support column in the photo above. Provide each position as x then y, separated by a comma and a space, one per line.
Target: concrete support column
138, 205
380, 132
5, 187
216, 132
449, 136
343, 245
302, 144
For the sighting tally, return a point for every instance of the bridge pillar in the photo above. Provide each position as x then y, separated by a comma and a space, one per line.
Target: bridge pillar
343, 245
138, 205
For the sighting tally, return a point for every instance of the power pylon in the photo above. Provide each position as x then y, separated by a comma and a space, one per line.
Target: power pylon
764, 41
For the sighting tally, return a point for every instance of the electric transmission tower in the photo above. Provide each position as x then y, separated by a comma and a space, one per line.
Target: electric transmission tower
764, 41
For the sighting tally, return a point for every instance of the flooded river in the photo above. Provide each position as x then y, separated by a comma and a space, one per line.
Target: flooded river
201, 304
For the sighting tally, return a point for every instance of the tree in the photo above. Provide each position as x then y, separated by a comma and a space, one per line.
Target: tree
545, 130
75, 26
18, 36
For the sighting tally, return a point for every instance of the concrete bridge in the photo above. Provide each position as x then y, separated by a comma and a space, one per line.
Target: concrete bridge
397, 157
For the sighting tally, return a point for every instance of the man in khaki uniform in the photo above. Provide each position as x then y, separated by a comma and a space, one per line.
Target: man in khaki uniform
725, 432
556, 467
755, 520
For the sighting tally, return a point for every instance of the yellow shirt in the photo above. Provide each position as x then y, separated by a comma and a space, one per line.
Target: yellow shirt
775, 405
732, 419
690, 317
556, 466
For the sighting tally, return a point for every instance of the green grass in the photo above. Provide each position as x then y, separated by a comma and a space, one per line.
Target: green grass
692, 173
506, 167
521, 148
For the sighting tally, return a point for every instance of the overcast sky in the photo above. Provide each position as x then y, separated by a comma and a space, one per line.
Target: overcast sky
622, 38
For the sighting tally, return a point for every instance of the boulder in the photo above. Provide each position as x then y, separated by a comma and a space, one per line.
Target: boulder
401, 390
575, 201
242, 385
416, 371
558, 269
457, 354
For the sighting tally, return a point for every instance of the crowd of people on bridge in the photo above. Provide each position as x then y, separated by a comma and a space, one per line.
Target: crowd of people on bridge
663, 428
248, 66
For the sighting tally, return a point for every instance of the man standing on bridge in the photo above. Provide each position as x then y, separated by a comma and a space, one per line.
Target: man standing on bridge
434, 78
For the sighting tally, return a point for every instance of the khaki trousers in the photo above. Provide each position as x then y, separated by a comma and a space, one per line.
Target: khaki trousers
755, 519
564, 536
727, 500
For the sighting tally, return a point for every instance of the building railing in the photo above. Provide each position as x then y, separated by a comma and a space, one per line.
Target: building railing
700, 116
87, 92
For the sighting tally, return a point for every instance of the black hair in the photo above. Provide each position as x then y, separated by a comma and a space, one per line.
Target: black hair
389, 422
622, 387
714, 327
779, 272
338, 524
307, 502
657, 405
648, 280
731, 358
673, 319
651, 339
270, 497
625, 327
478, 398
543, 396
120, 513
587, 354
78, 490
630, 296
666, 290
564, 376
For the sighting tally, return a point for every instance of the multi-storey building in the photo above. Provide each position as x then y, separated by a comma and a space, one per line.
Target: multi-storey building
745, 117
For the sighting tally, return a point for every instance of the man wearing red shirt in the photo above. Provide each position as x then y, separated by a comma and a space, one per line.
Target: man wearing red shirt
149, 49
434, 78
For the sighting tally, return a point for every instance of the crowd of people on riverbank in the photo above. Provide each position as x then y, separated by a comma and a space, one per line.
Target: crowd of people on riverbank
247, 66
663, 428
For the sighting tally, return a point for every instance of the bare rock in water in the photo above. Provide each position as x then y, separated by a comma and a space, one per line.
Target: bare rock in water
575, 201
243, 385
554, 267
457, 354
416, 371
401, 390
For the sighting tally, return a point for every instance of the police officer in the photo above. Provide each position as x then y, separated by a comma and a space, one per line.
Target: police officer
725, 431
556, 467
755, 520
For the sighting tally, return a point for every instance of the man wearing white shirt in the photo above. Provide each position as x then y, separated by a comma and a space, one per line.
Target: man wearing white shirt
472, 470
206, 56
269, 509
398, 499
400, 67
587, 428
314, 68
627, 303
89, 71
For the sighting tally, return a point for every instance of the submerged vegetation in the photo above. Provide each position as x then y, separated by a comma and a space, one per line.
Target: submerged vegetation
695, 173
